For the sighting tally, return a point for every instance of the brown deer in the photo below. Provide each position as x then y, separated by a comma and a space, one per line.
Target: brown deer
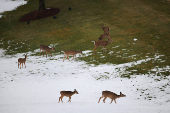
105, 35
71, 52
105, 29
46, 49
67, 94
22, 61
111, 95
102, 43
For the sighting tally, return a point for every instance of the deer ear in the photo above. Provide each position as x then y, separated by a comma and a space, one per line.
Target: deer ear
74, 89
120, 93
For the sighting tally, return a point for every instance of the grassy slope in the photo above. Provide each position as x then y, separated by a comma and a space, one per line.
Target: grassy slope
146, 20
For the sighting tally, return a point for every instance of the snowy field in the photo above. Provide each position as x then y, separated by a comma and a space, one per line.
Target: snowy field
36, 88
8, 5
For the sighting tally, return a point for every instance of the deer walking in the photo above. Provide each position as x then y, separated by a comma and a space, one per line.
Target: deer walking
101, 43
71, 52
67, 94
105, 35
105, 29
22, 61
46, 49
111, 95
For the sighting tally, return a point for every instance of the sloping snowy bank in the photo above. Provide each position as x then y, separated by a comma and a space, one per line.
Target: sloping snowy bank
8, 5
36, 88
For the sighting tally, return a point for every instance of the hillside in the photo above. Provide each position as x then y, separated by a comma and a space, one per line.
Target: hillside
139, 29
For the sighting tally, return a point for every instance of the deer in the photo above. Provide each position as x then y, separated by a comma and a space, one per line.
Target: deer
22, 61
67, 94
102, 43
105, 29
111, 95
71, 52
105, 35
46, 49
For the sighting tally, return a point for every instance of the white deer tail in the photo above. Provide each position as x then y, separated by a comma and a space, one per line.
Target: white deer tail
93, 41
63, 51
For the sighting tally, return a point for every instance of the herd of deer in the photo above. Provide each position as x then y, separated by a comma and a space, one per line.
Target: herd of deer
105, 94
98, 43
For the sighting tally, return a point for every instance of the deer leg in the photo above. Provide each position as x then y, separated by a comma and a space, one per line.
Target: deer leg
18, 64
69, 99
46, 54
111, 101
24, 64
100, 98
64, 57
103, 49
43, 54
115, 101
62, 99
95, 49
73, 57
104, 99
50, 54
68, 58
59, 99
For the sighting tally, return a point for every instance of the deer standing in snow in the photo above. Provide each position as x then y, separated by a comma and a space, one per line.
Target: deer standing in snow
111, 95
71, 52
101, 43
67, 94
105, 29
46, 49
22, 61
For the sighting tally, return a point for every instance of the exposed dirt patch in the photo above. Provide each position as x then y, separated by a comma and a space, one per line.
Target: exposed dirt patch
35, 15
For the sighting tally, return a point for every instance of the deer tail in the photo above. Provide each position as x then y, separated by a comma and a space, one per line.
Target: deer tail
63, 51
94, 42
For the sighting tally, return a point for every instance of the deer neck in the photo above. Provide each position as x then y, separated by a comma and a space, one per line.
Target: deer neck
25, 58
118, 96
73, 93
49, 49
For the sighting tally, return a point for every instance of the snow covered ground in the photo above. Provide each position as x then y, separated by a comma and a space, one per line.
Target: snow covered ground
8, 5
36, 88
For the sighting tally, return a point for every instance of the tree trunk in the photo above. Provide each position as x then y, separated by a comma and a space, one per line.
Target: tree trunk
41, 5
